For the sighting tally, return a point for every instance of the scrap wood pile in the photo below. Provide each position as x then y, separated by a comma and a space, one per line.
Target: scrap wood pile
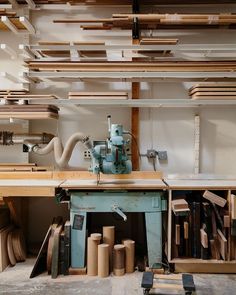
204, 226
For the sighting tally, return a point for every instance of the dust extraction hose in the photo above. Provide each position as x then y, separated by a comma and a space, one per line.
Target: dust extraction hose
62, 155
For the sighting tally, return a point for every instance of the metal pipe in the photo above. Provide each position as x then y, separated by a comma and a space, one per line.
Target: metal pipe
10, 138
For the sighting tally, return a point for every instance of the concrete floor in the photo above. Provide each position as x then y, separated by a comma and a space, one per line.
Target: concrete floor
15, 280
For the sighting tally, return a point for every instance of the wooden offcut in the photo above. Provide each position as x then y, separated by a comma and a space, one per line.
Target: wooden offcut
204, 238
214, 198
222, 244
233, 206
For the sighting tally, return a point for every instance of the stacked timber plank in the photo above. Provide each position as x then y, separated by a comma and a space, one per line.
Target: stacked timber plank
123, 2
22, 167
158, 41
213, 90
98, 95
6, 12
29, 112
160, 66
15, 104
125, 21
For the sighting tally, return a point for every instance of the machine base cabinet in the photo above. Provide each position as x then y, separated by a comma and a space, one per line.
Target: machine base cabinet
152, 203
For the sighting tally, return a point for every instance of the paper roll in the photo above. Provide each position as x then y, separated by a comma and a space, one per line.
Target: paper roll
108, 233
92, 254
103, 260
119, 260
129, 255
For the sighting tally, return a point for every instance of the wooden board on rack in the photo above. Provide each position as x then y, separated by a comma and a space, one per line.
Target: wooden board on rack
98, 95
178, 66
158, 41
23, 96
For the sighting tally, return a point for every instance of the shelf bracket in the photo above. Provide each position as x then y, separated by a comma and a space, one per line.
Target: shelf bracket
135, 29
136, 7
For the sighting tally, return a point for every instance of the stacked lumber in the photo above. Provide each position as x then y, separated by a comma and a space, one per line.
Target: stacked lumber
213, 90
128, 66
11, 92
123, 2
158, 41
98, 95
22, 167
6, 12
125, 21
29, 112
15, 95
67, 53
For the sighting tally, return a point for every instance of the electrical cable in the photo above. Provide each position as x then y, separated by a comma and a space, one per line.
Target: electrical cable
136, 143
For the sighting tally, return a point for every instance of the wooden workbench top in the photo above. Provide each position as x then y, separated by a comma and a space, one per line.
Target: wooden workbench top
147, 184
199, 184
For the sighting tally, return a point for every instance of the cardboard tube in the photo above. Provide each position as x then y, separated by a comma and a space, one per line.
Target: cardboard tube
103, 260
119, 260
129, 255
92, 254
109, 238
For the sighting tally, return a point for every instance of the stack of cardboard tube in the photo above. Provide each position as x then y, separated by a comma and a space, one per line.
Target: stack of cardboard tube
102, 258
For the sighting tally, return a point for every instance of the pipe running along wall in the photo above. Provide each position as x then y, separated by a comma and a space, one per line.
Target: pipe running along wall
11, 138
62, 154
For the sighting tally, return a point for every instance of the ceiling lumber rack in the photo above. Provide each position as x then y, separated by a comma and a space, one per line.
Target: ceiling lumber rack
77, 4
156, 21
18, 25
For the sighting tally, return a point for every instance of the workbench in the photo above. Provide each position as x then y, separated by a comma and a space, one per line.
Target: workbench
45, 184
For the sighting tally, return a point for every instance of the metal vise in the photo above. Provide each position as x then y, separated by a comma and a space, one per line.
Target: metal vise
110, 156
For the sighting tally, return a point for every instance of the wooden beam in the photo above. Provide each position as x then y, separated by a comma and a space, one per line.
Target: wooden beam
135, 122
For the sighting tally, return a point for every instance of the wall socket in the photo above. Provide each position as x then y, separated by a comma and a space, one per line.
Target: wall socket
87, 154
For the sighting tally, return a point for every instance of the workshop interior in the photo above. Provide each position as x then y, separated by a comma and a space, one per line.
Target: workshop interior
117, 147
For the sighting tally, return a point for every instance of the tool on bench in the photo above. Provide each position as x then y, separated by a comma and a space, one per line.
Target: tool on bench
110, 156
151, 281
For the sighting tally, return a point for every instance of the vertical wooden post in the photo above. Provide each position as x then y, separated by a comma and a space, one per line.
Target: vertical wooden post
135, 121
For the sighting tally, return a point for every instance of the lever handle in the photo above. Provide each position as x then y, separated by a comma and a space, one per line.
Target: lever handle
116, 209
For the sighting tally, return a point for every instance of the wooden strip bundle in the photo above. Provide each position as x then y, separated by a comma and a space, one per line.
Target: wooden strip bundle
158, 41
213, 91
125, 20
98, 95
161, 66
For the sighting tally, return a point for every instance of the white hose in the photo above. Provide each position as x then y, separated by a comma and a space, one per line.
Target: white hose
62, 155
